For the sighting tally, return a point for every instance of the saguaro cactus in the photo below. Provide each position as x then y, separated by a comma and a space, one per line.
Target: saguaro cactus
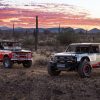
13, 34
36, 34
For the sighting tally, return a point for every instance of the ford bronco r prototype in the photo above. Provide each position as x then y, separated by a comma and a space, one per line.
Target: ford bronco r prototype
80, 57
11, 52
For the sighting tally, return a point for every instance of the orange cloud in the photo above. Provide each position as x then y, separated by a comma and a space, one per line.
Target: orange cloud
49, 16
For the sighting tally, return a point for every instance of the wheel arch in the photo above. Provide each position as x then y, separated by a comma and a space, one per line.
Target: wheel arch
5, 56
7, 63
85, 57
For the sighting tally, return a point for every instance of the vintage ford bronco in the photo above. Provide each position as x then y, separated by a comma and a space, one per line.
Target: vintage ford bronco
80, 57
11, 52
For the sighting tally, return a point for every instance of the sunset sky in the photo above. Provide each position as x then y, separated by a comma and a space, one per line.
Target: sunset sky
68, 13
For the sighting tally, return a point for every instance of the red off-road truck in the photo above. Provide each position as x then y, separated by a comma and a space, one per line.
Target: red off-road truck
11, 52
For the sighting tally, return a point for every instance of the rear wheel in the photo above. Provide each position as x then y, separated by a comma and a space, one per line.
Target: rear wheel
27, 64
53, 71
84, 69
7, 62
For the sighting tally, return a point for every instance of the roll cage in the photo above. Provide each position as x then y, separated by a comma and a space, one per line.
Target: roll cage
6, 44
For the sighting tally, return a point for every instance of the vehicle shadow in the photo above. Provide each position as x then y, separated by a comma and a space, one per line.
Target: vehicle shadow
13, 67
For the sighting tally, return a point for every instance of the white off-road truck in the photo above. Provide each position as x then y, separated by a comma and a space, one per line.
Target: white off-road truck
80, 57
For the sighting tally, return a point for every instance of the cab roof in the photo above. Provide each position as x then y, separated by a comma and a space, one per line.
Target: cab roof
85, 44
8, 41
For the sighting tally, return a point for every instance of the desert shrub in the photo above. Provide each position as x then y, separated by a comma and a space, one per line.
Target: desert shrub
40, 60
67, 36
47, 43
28, 42
45, 53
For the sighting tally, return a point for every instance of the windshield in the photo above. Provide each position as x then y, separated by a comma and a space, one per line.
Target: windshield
70, 48
11, 46
83, 49
78, 49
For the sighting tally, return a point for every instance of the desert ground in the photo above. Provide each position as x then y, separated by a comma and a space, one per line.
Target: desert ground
34, 83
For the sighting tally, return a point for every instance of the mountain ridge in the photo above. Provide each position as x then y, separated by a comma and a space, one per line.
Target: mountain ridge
52, 30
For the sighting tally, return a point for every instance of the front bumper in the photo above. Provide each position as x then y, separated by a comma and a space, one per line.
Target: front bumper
65, 65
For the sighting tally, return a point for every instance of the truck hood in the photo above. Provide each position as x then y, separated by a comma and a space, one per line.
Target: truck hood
6, 51
65, 54
15, 51
25, 51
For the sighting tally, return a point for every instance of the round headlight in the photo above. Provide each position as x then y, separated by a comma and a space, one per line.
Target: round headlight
55, 58
52, 57
74, 58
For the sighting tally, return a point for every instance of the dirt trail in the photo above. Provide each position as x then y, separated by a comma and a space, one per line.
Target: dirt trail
35, 84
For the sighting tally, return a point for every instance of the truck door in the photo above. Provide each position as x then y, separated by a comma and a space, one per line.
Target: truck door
0, 54
97, 53
93, 55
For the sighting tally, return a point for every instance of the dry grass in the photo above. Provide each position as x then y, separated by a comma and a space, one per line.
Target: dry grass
40, 59
36, 84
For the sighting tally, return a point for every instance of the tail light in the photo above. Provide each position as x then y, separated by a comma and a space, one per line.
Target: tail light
29, 55
13, 55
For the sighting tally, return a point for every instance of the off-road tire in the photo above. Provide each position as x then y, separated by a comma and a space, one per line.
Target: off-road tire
27, 64
7, 63
84, 69
52, 71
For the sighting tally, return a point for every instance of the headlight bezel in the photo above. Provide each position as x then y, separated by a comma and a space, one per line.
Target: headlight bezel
53, 58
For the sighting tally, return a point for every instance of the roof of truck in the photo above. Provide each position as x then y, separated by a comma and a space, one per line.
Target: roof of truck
9, 41
85, 44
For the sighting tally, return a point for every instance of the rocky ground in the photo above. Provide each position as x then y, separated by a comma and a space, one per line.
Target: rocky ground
35, 84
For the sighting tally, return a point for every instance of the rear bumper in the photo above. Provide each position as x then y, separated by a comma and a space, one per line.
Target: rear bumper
21, 56
21, 59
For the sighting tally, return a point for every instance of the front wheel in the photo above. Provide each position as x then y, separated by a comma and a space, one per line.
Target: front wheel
53, 71
84, 69
27, 64
7, 62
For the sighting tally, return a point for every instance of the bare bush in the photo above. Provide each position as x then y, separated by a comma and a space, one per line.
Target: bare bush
39, 60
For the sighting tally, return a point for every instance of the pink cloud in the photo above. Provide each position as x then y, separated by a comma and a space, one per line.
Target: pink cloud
47, 17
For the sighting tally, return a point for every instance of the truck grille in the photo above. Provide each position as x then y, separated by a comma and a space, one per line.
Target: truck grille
64, 59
